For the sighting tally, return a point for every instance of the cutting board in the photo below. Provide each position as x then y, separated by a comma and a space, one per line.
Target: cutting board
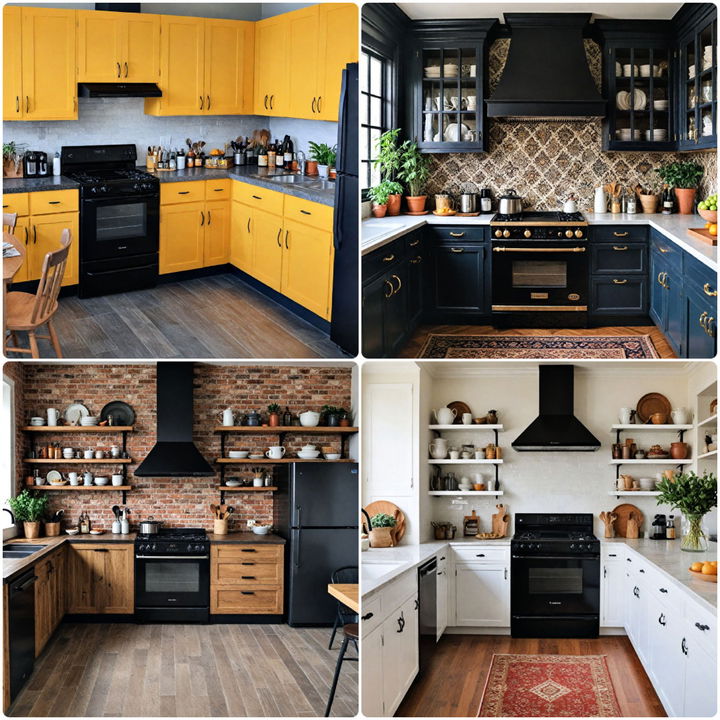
703, 235
500, 521
623, 514
385, 506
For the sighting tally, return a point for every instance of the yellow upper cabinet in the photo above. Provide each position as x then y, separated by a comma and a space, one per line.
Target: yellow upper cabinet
302, 56
13, 101
271, 69
141, 48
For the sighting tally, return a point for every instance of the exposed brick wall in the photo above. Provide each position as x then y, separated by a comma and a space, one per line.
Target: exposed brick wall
176, 501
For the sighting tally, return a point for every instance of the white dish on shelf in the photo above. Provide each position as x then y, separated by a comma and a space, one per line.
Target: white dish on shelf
54, 478
233, 483
238, 454
75, 412
332, 456
256, 456
455, 133
308, 454
72, 531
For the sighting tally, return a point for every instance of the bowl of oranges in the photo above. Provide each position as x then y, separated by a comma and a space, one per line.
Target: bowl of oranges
704, 570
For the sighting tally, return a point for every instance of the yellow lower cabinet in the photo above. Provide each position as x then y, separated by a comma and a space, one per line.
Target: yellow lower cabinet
308, 267
44, 236
241, 241
182, 232
267, 231
22, 233
217, 233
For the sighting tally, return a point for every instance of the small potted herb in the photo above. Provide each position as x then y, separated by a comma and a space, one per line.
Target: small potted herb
332, 415
346, 417
381, 534
274, 415
12, 159
29, 508
380, 196
414, 172
387, 161
324, 155
684, 178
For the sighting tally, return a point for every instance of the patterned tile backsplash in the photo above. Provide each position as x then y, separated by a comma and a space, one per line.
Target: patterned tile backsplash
544, 161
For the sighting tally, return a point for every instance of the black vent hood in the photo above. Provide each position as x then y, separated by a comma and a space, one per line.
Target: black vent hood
114, 90
546, 75
174, 453
556, 429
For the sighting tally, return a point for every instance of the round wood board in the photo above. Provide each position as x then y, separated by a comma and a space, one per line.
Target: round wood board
459, 408
652, 403
700, 576
385, 506
623, 513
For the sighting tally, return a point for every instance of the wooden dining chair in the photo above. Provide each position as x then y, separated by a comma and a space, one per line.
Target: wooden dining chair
25, 312
9, 222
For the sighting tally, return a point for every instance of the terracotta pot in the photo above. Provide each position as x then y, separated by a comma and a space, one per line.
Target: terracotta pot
686, 200
679, 450
274, 420
311, 167
52, 529
381, 537
416, 203
393, 204
379, 211
344, 422
649, 203
32, 530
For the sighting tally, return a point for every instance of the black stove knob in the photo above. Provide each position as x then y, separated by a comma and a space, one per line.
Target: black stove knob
154, 547
538, 546
522, 546
572, 546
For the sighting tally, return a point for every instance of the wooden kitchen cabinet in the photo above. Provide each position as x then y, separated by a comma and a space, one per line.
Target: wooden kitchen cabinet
101, 578
271, 96
49, 597
303, 49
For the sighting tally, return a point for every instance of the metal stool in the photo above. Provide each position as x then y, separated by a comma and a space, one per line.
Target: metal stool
350, 634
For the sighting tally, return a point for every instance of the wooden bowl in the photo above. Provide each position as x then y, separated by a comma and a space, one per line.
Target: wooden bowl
700, 576
708, 215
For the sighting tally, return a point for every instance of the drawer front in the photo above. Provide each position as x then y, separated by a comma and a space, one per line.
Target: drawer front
453, 233
414, 243
382, 259
310, 213
232, 572
182, 192
621, 257
257, 601
667, 249
701, 276
16, 203
612, 552
701, 625
619, 233
624, 294
481, 554
258, 197
371, 615
218, 189
53, 201
662, 589
248, 554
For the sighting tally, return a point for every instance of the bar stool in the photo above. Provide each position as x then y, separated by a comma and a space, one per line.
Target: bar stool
350, 634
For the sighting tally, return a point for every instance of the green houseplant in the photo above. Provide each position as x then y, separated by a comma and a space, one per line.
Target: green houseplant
12, 159
381, 533
332, 415
684, 178
388, 160
414, 172
381, 194
273, 415
324, 155
694, 496
29, 508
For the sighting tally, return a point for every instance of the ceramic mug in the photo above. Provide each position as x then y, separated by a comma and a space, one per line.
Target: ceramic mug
52, 416
258, 482
88, 478
454, 454
115, 451
276, 452
117, 480
99, 454
467, 418
73, 478
88, 454
624, 415
68, 453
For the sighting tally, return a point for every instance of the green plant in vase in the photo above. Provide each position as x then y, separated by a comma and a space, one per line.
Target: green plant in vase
273, 415
29, 508
694, 496
380, 196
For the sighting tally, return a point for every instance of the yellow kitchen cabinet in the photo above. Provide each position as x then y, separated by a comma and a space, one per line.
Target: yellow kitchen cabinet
303, 34
16, 203
267, 254
307, 267
13, 100
22, 233
241, 248
44, 236
182, 232
271, 72
49, 87
216, 246
116, 46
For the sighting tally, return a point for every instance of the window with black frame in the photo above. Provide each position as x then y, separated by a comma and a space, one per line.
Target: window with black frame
374, 101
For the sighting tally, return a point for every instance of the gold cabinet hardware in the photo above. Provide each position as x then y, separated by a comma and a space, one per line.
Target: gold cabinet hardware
540, 250
415, 243
619, 282
620, 248
708, 326
707, 291
392, 289
457, 250
457, 235
399, 283
389, 258
417, 260
702, 320
664, 250
622, 234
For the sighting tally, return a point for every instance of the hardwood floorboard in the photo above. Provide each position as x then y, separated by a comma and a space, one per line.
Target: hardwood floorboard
466, 659
414, 346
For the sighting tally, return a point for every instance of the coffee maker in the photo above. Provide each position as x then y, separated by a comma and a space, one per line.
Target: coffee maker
659, 528
35, 164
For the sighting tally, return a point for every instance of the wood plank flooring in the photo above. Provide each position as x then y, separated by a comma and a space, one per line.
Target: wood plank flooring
453, 683
415, 344
218, 316
127, 670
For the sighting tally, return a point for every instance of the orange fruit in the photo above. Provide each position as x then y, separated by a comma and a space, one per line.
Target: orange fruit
713, 229
707, 225
708, 569
697, 567
713, 562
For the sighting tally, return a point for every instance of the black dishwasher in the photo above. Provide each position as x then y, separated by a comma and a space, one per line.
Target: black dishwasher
21, 617
427, 595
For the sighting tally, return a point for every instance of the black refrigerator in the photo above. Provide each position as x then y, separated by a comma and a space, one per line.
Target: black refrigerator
316, 511
344, 320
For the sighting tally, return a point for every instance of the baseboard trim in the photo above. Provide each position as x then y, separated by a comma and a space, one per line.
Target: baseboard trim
457, 630
246, 619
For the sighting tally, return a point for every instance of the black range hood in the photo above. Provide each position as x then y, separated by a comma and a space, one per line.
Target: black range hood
114, 90
556, 429
546, 75
174, 453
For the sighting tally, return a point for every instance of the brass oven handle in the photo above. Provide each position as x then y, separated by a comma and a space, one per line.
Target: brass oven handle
392, 289
457, 250
622, 234
707, 291
389, 258
619, 282
540, 250
457, 235
399, 284
623, 247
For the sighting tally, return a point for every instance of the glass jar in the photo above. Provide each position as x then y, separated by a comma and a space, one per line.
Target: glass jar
694, 534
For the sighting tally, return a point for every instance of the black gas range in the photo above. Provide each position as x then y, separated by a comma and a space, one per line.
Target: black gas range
540, 264
172, 576
555, 576
119, 218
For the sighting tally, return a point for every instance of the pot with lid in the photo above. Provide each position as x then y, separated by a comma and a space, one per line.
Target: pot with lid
468, 198
150, 526
510, 203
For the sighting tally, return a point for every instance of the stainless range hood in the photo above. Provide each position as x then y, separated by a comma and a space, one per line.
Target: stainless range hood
174, 453
546, 75
556, 429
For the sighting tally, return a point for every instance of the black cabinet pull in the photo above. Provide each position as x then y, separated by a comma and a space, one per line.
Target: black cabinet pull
278, 237
208, 102
319, 103
702, 627
202, 218
218, 189
683, 647
663, 590
480, 555
266, 107
118, 67
183, 192
312, 105
271, 101
100, 549
248, 577
612, 554
306, 212
401, 623
367, 616
443, 557
642, 571
628, 560
247, 592
661, 619
53, 202
287, 232
417, 603
248, 225
126, 69
256, 197
247, 563
248, 550
209, 217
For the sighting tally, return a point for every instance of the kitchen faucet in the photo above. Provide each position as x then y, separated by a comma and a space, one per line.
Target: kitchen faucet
301, 162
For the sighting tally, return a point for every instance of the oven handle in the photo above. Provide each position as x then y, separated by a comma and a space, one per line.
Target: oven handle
540, 250
556, 557
172, 557
99, 201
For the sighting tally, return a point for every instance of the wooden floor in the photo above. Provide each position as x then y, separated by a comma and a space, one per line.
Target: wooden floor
127, 670
218, 316
415, 344
454, 681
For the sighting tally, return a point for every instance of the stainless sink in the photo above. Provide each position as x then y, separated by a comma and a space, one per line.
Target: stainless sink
12, 551
286, 178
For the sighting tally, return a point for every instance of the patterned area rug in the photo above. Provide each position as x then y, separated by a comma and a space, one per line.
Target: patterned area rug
539, 347
549, 686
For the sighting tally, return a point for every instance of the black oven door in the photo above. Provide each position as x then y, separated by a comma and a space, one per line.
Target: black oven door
119, 227
171, 582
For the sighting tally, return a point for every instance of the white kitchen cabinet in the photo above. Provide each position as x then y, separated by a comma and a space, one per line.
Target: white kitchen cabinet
401, 660
612, 602
442, 593
482, 595
637, 609
371, 659
665, 632
700, 696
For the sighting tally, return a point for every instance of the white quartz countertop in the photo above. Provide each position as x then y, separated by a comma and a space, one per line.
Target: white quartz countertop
377, 232
673, 562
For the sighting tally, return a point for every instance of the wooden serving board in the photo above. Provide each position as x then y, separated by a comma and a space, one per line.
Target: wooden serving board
700, 576
703, 235
623, 514
385, 506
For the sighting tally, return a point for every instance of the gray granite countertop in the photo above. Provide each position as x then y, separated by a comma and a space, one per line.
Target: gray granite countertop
262, 177
245, 538
50, 182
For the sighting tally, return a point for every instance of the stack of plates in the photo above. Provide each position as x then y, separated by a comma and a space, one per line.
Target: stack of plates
707, 57
660, 104
645, 71
656, 135
625, 134
623, 100
451, 70
691, 72
433, 71
89, 420
630, 70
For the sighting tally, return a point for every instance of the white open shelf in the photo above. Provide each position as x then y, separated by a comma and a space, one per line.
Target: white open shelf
710, 454
712, 420
465, 462
642, 493
466, 427
615, 428
664, 461
465, 492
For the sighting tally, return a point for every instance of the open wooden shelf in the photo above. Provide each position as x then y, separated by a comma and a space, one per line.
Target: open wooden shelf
472, 426
74, 461
465, 492
644, 427
247, 488
660, 461
465, 462
299, 429
641, 493
282, 461
90, 488
78, 428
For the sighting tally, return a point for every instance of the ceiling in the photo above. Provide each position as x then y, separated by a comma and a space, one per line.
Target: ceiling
615, 11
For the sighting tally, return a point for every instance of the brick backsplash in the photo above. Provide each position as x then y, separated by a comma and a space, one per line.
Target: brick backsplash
176, 501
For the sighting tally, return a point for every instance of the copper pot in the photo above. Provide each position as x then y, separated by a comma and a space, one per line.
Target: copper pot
679, 450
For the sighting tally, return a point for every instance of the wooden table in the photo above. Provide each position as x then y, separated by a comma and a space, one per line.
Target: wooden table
13, 264
347, 594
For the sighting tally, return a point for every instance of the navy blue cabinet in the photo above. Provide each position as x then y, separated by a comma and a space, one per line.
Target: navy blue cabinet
666, 295
700, 309
459, 278
619, 295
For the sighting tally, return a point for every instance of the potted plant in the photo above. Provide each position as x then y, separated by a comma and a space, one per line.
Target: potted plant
324, 155
380, 196
274, 415
29, 508
12, 159
346, 417
414, 171
332, 415
694, 496
381, 534
684, 178
388, 162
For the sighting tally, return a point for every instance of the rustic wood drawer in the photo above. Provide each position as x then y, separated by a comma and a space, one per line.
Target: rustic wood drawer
232, 571
53, 201
218, 189
481, 554
16, 203
258, 197
253, 554
182, 192
310, 213
258, 601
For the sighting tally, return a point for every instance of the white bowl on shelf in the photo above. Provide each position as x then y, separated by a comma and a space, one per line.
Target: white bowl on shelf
332, 456
100, 480
308, 454
238, 454
309, 418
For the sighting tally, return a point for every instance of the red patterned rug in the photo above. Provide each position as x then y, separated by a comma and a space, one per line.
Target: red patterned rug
549, 686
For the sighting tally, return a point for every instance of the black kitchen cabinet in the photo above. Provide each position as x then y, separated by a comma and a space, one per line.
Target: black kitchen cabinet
618, 258
618, 295
459, 278
416, 267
